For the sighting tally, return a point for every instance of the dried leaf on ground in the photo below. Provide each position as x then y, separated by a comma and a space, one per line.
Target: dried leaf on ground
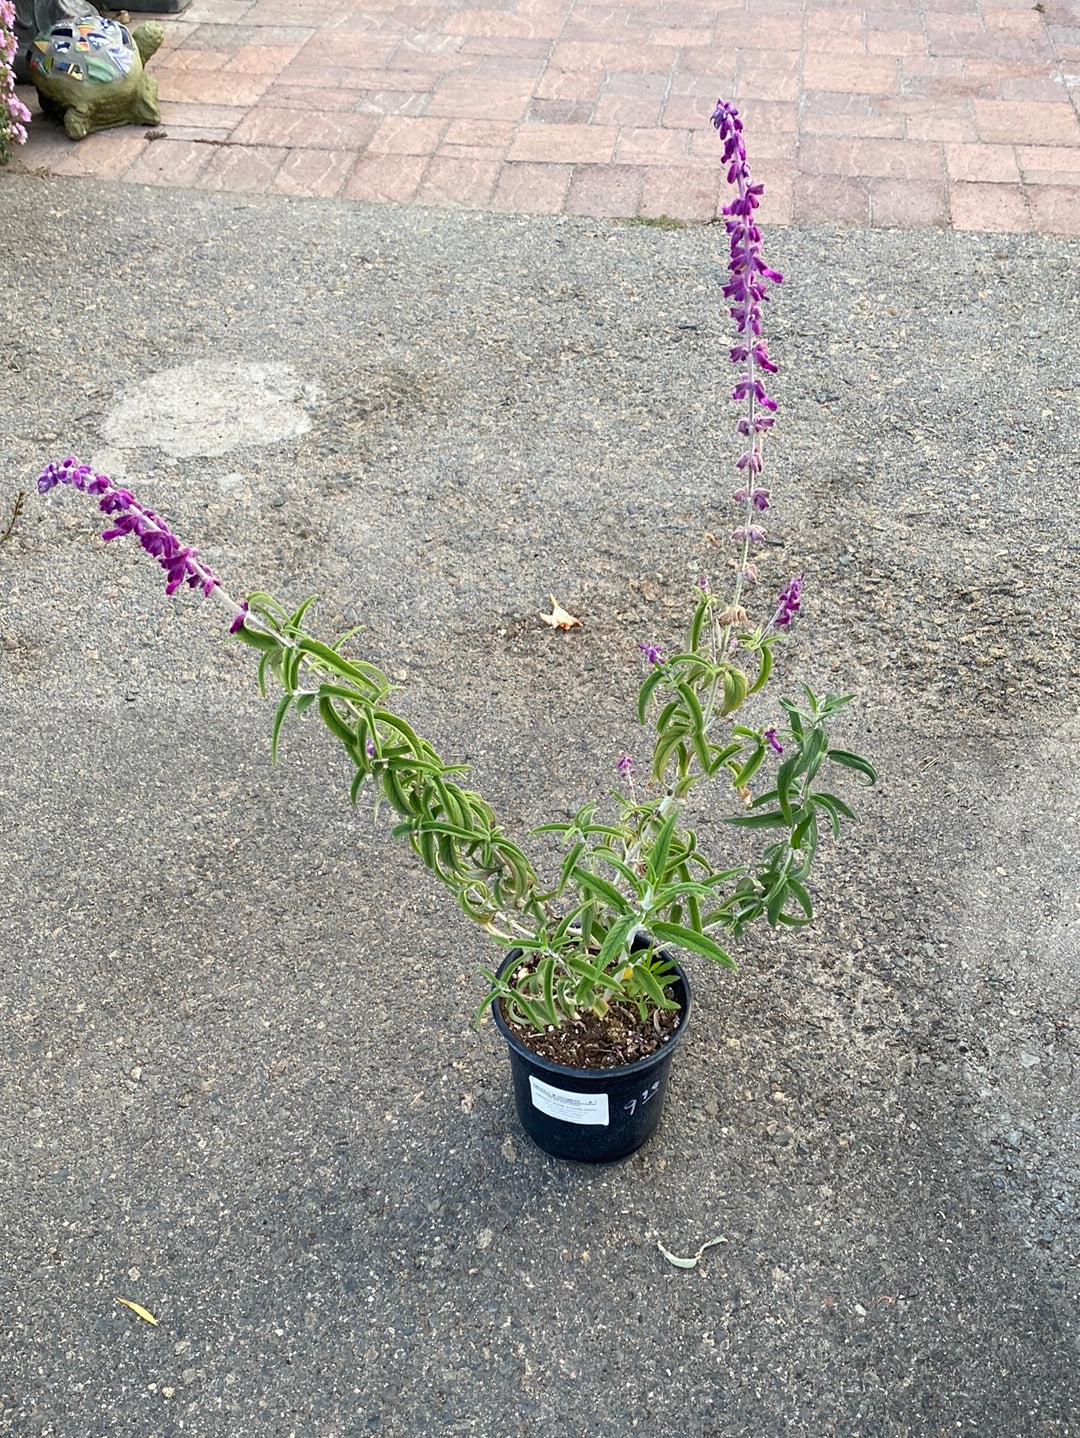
138, 1310
689, 1262
559, 618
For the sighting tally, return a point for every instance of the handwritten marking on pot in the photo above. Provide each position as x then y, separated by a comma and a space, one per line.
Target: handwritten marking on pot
138, 1310
570, 1107
646, 1095
689, 1262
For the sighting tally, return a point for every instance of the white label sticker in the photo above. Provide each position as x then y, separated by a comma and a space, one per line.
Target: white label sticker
570, 1107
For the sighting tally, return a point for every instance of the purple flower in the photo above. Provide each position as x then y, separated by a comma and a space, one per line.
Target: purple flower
747, 285
703, 584
370, 747
760, 499
238, 621
654, 653
770, 736
626, 768
789, 603
751, 533
130, 517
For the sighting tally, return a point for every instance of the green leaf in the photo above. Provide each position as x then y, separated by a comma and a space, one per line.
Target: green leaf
334, 722
577, 965
693, 905
765, 664
824, 803
750, 768
721, 756
835, 803
665, 746
546, 975
523, 1009
693, 707
568, 866
785, 776
696, 943
646, 691
263, 603
394, 790
256, 638
668, 713
279, 720
297, 619
772, 820
365, 674
774, 903
290, 668
620, 866
424, 842
806, 828
615, 940
802, 897
853, 761
412, 739
649, 982
701, 609
566, 924
813, 751
598, 888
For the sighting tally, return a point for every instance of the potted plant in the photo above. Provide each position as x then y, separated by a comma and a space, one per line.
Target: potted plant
589, 994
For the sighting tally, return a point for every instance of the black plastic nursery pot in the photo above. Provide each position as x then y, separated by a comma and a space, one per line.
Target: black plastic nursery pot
591, 1115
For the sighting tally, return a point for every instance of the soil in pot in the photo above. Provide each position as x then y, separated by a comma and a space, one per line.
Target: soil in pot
620, 1037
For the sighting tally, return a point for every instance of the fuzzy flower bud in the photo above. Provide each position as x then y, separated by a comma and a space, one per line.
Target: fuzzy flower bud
734, 614
751, 533
789, 603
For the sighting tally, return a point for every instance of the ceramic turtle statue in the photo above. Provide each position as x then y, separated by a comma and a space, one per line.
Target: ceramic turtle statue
89, 72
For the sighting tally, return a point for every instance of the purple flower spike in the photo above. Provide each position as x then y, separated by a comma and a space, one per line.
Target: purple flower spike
770, 737
626, 768
654, 653
746, 288
130, 517
789, 603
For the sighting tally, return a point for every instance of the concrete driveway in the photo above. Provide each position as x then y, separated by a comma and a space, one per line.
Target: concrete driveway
238, 1085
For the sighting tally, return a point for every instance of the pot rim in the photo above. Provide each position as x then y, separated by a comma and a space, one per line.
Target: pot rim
620, 1070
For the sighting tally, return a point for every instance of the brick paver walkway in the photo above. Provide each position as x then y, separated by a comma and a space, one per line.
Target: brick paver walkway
895, 112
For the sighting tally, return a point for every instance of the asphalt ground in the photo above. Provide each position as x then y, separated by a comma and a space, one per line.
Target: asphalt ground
238, 1082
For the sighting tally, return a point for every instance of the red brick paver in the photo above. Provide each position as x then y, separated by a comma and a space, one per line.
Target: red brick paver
899, 113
